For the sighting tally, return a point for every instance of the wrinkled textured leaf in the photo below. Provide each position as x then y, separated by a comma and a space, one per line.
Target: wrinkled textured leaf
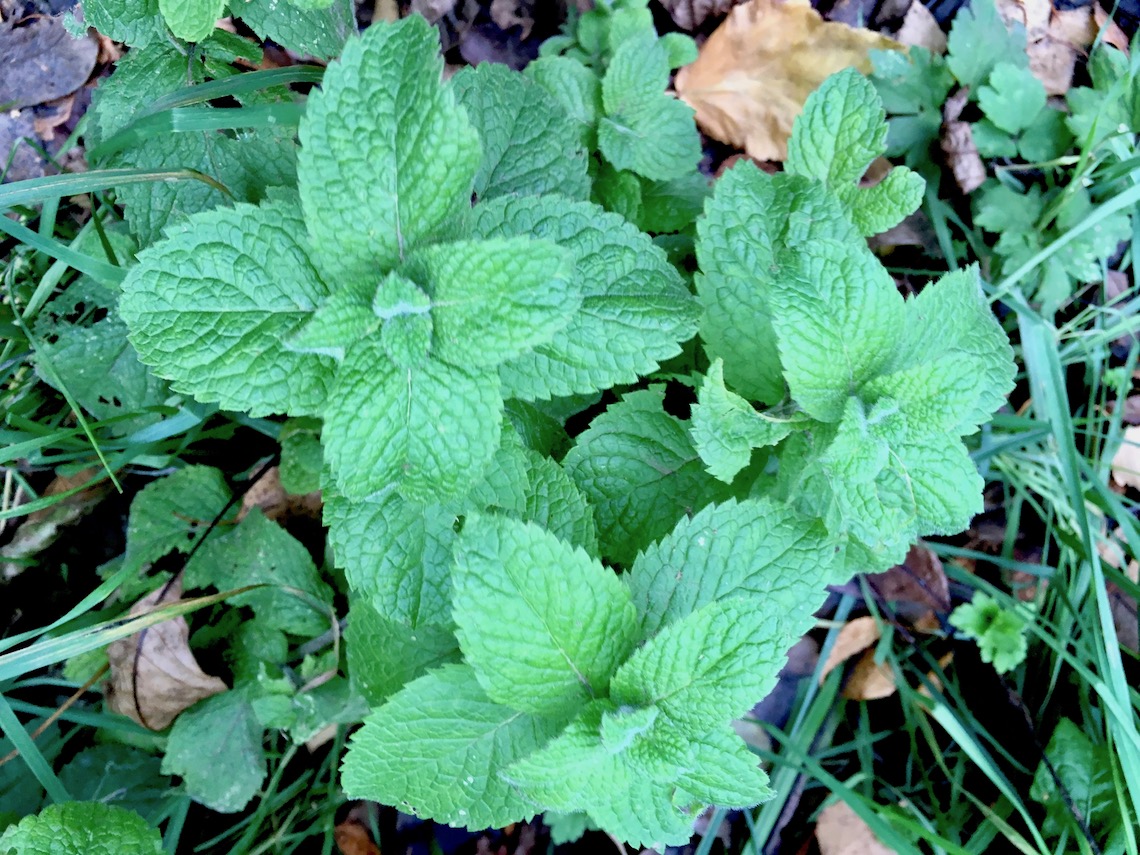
209, 307
303, 28
637, 466
191, 20
386, 154
635, 308
529, 144
384, 655
543, 625
442, 727
82, 828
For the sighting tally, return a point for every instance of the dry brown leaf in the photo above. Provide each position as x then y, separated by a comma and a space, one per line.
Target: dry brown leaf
154, 675
934, 680
506, 14
1054, 38
1113, 35
1126, 461
756, 70
385, 10
690, 14
958, 144
41, 528
920, 29
856, 636
840, 831
270, 497
352, 838
919, 581
869, 680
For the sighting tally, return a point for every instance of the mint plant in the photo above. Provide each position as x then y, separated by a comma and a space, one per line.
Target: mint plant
438, 294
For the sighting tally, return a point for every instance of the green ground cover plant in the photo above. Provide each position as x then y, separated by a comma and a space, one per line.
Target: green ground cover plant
593, 439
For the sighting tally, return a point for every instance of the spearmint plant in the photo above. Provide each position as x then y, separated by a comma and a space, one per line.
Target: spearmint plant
440, 294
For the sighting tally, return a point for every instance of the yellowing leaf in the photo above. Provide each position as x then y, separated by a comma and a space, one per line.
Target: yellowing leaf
757, 69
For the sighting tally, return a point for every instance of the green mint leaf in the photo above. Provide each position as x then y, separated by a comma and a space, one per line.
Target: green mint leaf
257, 552
529, 486
577, 772
629, 21
442, 727
708, 667
543, 624
979, 40
635, 308
386, 154
430, 429
529, 145
301, 458
385, 655
567, 827
395, 553
215, 746
999, 631
525, 286
304, 29
637, 466
839, 133
575, 88
406, 313
725, 427
138, 23
1013, 97
191, 20
342, 318
169, 514
951, 345
672, 206
645, 130
681, 49
619, 191
838, 317
943, 481
82, 828
724, 772
209, 306
742, 248
750, 549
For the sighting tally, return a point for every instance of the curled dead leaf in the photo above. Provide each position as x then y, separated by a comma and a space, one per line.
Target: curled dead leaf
756, 70
919, 582
869, 680
352, 838
857, 635
1113, 35
1054, 38
512, 13
154, 675
958, 144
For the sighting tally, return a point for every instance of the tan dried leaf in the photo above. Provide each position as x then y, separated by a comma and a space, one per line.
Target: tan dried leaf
690, 14
1054, 38
40, 529
433, 10
958, 144
270, 497
756, 70
840, 831
1113, 35
869, 680
1126, 461
352, 838
154, 675
856, 636
920, 29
